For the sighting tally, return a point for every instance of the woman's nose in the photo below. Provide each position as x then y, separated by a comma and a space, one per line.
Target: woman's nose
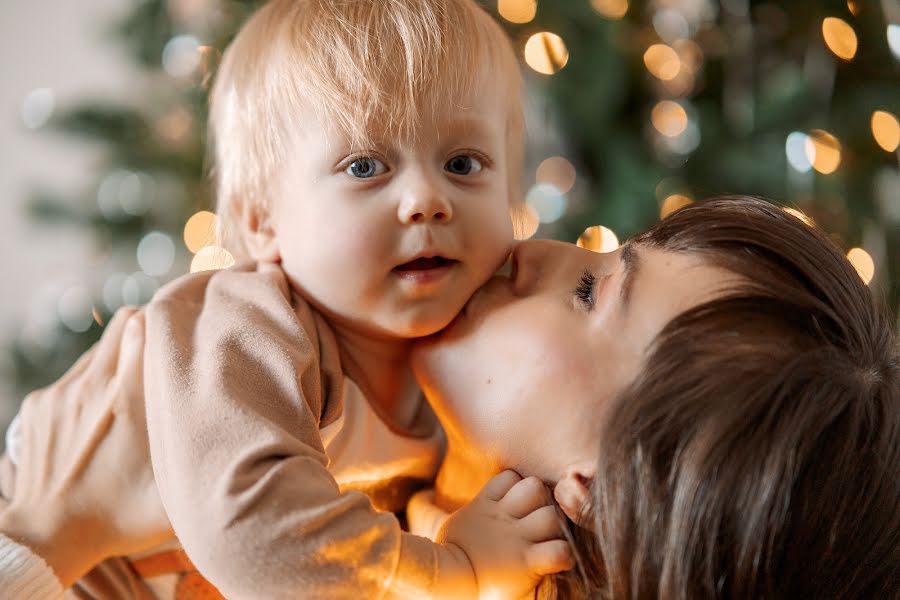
529, 262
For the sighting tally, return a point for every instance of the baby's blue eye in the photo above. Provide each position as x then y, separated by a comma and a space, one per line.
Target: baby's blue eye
463, 165
366, 167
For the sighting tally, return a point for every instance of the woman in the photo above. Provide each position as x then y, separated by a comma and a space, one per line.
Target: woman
741, 388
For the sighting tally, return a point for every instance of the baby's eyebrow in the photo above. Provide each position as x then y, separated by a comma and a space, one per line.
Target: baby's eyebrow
630, 265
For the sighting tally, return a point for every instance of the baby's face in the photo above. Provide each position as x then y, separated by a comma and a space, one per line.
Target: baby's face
392, 239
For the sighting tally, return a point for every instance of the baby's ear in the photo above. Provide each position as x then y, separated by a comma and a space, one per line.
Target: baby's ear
258, 233
573, 495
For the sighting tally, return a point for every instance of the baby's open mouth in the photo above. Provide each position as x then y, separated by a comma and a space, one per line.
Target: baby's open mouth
426, 264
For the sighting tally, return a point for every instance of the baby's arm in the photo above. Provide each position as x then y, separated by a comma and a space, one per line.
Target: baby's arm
235, 397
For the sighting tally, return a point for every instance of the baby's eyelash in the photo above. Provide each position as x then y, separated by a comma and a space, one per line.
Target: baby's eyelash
585, 289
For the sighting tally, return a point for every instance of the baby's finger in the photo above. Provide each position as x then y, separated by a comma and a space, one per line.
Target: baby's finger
550, 557
525, 497
542, 525
498, 485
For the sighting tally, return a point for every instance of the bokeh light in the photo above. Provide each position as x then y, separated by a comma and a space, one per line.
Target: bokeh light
863, 263
201, 231
886, 130
76, 309
547, 201
673, 203
823, 151
598, 239
156, 253
558, 172
138, 288
517, 11
181, 56
211, 258
669, 118
839, 37
893, 38
525, 220
611, 9
853, 7
662, 61
796, 150
546, 53
37, 108
799, 214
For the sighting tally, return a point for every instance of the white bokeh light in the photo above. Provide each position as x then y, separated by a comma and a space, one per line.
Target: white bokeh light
75, 309
37, 107
795, 149
547, 201
181, 55
893, 38
156, 253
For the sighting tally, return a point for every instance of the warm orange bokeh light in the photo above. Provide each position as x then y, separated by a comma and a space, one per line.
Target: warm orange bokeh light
823, 151
517, 11
598, 239
886, 130
839, 37
673, 203
200, 231
863, 263
558, 172
611, 9
546, 53
662, 62
669, 118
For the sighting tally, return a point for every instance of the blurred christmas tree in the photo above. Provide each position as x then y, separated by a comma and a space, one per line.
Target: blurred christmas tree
636, 108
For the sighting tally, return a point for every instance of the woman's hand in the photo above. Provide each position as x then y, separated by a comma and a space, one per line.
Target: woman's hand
84, 488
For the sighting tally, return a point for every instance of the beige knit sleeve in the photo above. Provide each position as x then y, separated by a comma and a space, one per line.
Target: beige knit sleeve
238, 382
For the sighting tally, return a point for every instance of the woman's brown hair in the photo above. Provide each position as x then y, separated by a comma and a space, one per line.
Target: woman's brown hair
757, 454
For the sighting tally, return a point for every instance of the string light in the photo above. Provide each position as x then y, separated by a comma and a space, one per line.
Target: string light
558, 172
546, 53
211, 258
839, 37
201, 231
517, 11
669, 118
662, 61
799, 214
863, 263
673, 203
886, 130
611, 9
598, 239
823, 151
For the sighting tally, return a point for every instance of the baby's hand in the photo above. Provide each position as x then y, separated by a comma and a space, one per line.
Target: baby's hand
511, 534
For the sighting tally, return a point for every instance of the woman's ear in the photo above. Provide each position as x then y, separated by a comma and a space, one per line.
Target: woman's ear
573, 495
259, 235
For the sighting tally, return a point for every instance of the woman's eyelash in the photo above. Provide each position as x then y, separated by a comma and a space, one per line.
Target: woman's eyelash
585, 289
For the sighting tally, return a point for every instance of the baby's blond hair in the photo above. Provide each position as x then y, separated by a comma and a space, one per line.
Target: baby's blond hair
352, 62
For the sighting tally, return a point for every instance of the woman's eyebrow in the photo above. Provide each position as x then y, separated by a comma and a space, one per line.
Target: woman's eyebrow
630, 267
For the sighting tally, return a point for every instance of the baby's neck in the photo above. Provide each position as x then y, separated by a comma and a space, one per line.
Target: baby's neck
380, 367
461, 476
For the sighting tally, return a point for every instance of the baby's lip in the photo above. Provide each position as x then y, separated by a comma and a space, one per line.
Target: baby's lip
426, 263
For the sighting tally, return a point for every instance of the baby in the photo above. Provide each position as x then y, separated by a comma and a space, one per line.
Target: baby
366, 155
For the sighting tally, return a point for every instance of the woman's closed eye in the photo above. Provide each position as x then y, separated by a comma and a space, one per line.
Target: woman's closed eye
365, 167
584, 291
